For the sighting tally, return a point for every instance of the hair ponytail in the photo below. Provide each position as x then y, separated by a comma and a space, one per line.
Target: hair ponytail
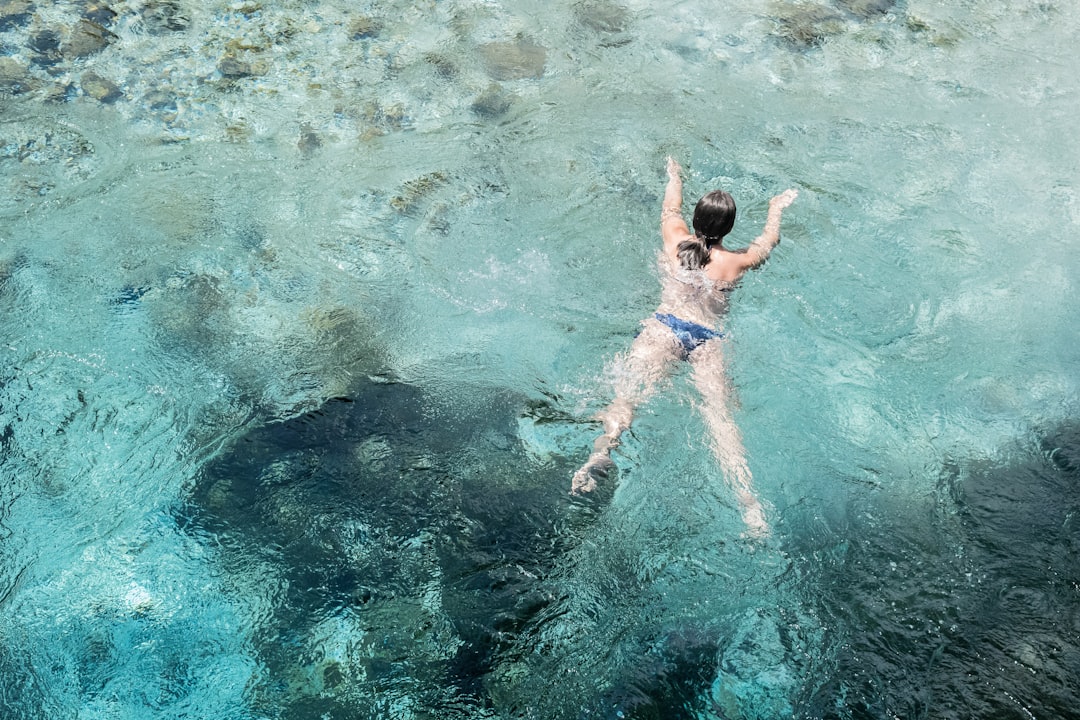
714, 217
693, 254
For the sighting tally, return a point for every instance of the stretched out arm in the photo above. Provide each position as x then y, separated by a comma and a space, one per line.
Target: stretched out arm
770, 237
673, 228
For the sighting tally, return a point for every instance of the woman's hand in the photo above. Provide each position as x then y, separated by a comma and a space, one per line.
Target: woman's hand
783, 200
673, 168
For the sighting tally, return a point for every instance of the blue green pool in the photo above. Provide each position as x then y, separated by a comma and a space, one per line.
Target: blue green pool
306, 307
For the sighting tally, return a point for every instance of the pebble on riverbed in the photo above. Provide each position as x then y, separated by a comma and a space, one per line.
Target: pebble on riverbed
161, 103
377, 119
493, 102
515, 60
100, 88
867, 9
363, 27
86, 38
58, 93
233, 67
45, 45
15, 78
602, 16
415, 190
444, 66
309, 141
807, 26
99, 13
14, 13
607, 19
164, 16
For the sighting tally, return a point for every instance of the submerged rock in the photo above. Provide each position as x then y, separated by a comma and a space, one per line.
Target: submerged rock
671, 675
232, 67
415, 190
380, 119
493, 102
309, 140
15, 78
867, 9
806, 26
14, 13
99, 12
603, 16
982, 571
402, 555
86, 38
249, 9
444, 66
363, 27
46, 47
238, 132
60, 92
163, 16
100, 88
515, 60
918, 26
162, 103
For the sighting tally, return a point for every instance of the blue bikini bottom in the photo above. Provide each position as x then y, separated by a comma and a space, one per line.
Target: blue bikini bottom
690, 334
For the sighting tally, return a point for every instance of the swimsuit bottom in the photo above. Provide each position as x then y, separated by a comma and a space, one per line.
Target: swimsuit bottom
689, 334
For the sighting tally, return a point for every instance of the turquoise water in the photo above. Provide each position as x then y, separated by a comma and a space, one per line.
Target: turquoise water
307, 307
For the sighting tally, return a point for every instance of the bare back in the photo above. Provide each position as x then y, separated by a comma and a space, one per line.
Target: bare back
692, 294
701, 295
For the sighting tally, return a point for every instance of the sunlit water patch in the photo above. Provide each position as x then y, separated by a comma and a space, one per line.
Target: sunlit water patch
307, 308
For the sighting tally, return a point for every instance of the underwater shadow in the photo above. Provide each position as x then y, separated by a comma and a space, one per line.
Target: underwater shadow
390, 551
967, 608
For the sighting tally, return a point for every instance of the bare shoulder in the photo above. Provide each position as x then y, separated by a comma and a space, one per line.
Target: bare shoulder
729, 265
674, 231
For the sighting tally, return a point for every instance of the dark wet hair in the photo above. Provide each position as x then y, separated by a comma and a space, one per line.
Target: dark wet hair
714, 217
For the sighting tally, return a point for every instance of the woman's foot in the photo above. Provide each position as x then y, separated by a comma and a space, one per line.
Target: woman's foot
753, 516
598, 467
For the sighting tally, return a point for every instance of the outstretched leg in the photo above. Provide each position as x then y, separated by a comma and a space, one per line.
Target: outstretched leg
637, 373
710, 377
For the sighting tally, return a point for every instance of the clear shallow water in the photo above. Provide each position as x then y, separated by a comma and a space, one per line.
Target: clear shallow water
302, 333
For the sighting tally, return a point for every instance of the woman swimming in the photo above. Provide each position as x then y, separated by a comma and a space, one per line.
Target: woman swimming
697, 274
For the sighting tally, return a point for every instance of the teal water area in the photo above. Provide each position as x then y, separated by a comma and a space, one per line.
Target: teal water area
307, 308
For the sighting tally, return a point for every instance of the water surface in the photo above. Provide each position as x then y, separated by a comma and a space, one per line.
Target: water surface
307, 307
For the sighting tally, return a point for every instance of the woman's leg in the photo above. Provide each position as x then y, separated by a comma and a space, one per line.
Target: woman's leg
637, 373
710, 377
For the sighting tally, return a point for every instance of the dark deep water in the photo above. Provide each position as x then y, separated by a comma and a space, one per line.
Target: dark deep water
965, 610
